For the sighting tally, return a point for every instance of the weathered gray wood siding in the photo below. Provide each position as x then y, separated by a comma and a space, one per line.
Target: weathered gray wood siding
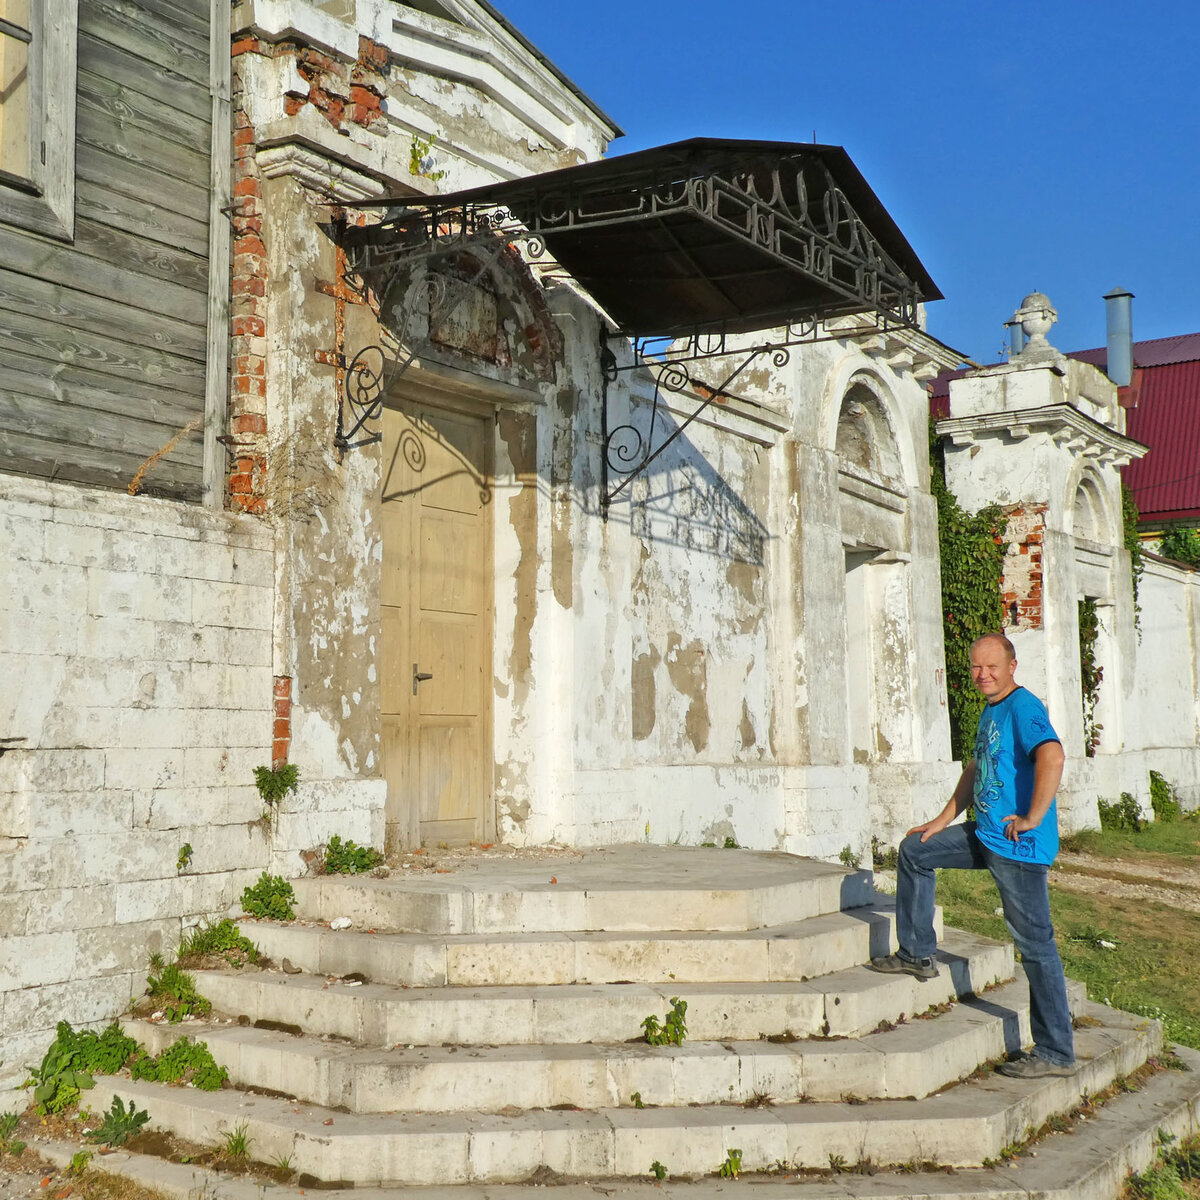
102, 342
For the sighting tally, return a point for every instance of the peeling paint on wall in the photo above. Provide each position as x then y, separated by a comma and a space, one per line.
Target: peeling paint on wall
644, 666
688, 670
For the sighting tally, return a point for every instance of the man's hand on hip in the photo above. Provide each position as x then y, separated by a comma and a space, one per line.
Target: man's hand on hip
1015, 825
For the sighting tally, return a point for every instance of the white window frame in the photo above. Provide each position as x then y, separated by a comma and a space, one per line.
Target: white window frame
45, 202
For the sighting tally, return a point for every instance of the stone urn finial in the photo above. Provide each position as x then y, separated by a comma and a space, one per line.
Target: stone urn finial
1036, 315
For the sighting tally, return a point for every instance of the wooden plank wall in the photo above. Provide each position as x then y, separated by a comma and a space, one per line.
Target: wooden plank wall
102, 343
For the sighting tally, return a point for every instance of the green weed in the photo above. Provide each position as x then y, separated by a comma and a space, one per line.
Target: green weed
184, 859
71, 1061
1121, 814
731, 1168
173, 991
658, 1170
849, 858
220, 937
8, 1126
119, 1124
274, 783
237, 1143
184, 1062
271, 897
673, 1028
1162, 799
345, 858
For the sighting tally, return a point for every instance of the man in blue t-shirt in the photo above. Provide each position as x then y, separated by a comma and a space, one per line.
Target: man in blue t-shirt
1012, 781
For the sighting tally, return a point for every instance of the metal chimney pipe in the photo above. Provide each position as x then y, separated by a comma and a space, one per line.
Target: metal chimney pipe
1016, 338
1119, 319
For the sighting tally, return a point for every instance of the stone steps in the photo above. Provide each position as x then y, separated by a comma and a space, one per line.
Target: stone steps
627, 888
911, 1060
797, 950
960, 1126
846, 1003
1091, 1162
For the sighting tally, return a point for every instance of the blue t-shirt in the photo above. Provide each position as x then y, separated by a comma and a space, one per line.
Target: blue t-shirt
1009, 733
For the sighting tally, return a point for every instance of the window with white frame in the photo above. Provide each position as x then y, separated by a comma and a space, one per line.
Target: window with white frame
37, 114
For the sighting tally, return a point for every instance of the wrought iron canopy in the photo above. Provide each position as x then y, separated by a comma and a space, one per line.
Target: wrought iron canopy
701, 236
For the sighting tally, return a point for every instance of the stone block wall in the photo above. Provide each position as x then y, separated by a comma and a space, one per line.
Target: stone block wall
136, 667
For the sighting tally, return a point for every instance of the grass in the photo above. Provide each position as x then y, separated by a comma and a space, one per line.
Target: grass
1159, 842
1150, 970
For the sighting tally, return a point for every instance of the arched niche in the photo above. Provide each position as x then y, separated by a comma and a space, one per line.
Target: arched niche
1089, 514
865, 441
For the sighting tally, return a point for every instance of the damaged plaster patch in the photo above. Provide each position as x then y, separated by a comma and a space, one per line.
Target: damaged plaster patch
688, 669
517, 431
746, 729
644, 666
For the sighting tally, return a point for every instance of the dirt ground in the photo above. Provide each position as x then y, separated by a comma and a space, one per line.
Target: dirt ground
1175, 885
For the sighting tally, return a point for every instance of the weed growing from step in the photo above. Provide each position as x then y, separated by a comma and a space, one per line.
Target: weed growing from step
119, 1124
8, 1126
1169, 1176
849, 858
271, 897
221, 938
346, 858
71, 1061
273, 784
173, 991
184, 1062
184, 858
237, 1143
673, 1029
658, 1170
79, 1162
731, 1168
636, 1100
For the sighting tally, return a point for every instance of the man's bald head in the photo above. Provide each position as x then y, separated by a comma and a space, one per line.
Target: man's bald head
1000, 640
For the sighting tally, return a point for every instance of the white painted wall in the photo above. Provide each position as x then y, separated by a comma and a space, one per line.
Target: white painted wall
135, 662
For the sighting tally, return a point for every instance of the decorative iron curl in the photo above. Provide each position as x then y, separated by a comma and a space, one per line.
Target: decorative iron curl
364, 382
674, 377
625, 448
535, 245
781, 356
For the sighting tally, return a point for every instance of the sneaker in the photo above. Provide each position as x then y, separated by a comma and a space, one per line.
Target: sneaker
893, 964
1030, 1066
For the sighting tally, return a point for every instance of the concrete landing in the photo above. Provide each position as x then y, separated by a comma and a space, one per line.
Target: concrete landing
616, 888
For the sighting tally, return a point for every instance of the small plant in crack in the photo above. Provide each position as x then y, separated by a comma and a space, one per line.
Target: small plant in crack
731, 1168
658, 1170
673, 1028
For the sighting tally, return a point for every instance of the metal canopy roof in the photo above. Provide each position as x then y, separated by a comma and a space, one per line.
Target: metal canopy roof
706, 235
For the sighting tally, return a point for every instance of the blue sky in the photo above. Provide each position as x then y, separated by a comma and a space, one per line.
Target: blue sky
1020, 147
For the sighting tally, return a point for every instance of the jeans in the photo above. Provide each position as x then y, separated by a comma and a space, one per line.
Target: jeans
1026, 900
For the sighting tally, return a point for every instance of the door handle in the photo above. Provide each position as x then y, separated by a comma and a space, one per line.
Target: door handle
419, 677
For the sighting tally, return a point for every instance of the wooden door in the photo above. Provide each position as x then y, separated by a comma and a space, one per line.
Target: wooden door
435, 600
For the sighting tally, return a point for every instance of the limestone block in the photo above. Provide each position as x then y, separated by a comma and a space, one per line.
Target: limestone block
22, 536
181, 641
63, 770
124, 947
17, 1051
57, 910
143, 768
504, 1149
232, 605
706, 1076
137, 594
209, 766
14, 914
38, 958
228, 847
14, 815
24, 631
47, 588
304, 831
509, 962
582, 1151
180, 807
70, 728
110, 636
690, 957
80, 813
82, 1002
28, 685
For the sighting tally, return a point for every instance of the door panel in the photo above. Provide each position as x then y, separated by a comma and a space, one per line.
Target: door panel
435, 595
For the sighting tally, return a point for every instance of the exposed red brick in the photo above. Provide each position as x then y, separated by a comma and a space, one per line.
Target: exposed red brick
249, 423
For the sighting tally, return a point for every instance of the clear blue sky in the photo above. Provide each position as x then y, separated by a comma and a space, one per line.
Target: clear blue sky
1020, 147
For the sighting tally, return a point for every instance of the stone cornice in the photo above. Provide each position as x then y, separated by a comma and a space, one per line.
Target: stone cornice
1064, 424
904, 350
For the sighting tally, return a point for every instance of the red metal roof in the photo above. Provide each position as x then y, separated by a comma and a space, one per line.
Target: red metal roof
1166, 482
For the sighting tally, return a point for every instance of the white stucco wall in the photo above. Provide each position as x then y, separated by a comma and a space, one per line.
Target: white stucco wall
135, 662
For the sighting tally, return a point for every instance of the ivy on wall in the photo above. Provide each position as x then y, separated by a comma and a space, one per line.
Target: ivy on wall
1133, 543
1090, 674
972, 560
1181, 544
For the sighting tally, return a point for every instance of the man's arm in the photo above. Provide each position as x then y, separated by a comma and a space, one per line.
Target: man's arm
1048, 760
963, 791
